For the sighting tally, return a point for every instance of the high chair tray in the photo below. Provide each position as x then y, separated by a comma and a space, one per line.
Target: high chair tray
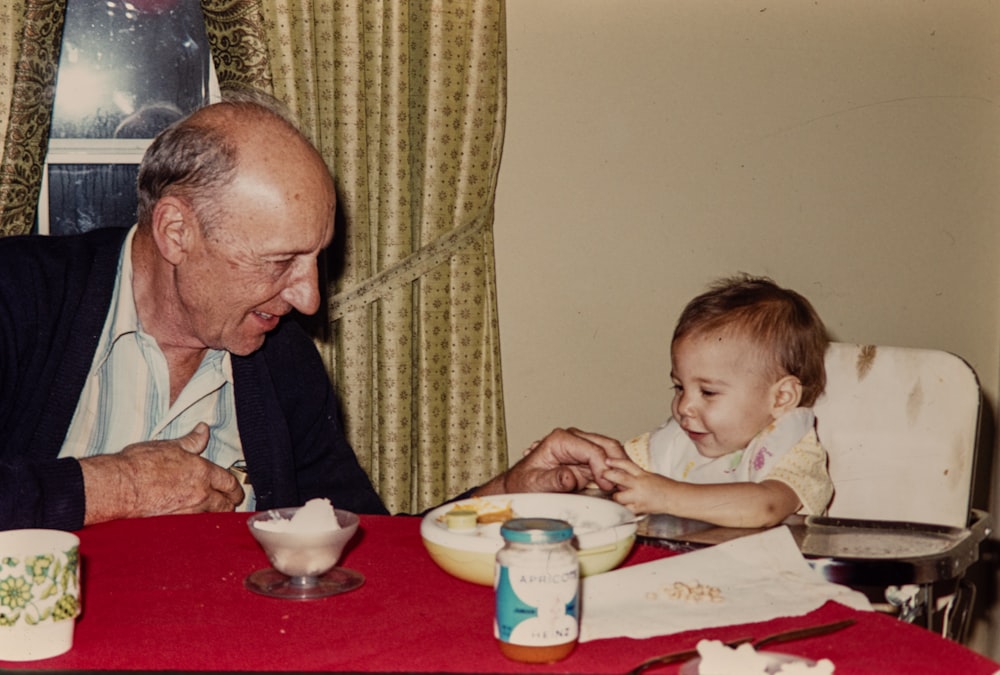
850, 551
875, 553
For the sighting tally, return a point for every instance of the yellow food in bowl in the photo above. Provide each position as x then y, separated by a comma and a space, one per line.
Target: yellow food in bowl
487, 511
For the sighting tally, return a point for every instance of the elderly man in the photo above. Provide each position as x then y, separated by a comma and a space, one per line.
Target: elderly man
137, 367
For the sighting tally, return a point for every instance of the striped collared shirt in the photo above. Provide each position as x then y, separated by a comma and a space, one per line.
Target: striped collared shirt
126, 398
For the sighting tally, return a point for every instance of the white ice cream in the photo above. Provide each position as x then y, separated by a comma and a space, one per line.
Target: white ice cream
317, 515
720, 659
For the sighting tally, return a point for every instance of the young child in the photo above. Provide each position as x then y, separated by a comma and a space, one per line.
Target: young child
740, 449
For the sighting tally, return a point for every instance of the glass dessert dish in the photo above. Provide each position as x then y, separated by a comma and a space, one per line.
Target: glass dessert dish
303, 552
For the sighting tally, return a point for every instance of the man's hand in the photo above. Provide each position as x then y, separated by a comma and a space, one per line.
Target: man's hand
566, 460
157, 478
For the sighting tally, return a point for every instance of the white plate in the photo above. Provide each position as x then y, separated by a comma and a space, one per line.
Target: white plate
596, 521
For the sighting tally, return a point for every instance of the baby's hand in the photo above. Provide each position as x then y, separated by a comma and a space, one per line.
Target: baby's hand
637, 489
625, 472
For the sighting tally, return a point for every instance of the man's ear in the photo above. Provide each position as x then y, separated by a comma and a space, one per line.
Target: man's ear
787, 394
174, 226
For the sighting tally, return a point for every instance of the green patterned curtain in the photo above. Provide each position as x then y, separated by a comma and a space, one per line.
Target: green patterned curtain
406, 102
30, 39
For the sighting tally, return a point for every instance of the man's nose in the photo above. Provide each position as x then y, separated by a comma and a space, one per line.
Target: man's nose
302, 291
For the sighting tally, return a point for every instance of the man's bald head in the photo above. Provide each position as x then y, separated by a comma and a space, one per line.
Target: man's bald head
198, 157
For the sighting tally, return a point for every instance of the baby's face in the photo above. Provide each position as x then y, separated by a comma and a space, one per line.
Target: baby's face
723, 395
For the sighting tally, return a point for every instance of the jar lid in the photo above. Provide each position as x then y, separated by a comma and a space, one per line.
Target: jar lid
536, 530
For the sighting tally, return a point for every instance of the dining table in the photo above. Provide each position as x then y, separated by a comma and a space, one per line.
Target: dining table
168, 594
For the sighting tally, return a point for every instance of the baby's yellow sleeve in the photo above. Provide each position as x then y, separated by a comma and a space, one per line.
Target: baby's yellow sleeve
637, 450
804, 469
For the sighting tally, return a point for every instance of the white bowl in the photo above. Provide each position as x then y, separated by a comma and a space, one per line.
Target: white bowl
604, 532
308, 553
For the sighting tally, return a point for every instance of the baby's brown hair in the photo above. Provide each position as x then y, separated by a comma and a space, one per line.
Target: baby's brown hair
781, 322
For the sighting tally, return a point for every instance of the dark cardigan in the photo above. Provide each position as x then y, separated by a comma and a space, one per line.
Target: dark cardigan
55, 293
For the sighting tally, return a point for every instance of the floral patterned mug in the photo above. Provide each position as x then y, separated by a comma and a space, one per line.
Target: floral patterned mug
39, 593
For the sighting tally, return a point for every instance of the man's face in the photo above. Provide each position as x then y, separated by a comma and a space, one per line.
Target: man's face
258, 265
723, 396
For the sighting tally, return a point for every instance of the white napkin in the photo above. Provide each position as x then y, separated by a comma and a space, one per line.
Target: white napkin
754, 578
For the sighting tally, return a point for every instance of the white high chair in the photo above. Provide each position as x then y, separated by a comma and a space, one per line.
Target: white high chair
900, 426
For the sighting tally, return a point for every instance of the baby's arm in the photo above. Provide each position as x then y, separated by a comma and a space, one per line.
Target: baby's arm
727, 504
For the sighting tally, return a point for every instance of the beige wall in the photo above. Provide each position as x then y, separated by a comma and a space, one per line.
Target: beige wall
850, 150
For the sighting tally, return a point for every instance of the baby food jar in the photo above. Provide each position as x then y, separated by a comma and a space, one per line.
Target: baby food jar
537, 583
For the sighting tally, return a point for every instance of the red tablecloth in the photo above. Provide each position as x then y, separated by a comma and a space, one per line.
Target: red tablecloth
167, 594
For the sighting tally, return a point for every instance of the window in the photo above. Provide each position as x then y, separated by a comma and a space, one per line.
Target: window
127, 70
